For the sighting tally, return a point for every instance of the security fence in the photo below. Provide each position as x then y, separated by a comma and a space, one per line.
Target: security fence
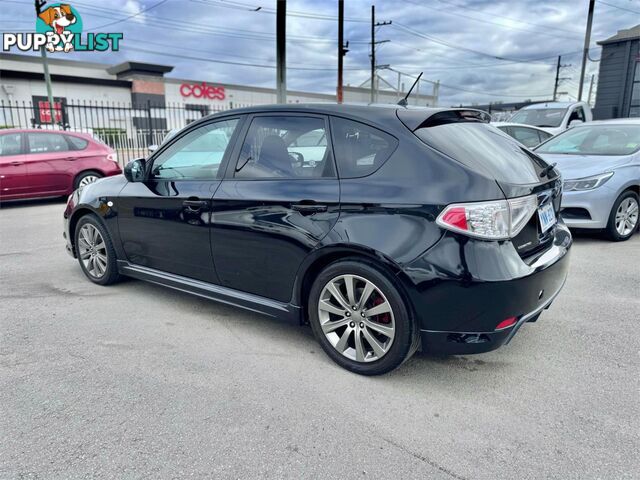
130, 129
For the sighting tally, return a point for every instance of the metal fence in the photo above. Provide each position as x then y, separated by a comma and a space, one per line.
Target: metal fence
130, 129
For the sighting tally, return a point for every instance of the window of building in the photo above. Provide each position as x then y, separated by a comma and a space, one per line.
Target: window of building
634, 108
360, 149
285, 147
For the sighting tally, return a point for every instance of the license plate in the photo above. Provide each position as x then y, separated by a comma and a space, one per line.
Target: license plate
547, 217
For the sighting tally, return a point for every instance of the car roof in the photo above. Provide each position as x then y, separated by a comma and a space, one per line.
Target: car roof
411, 116
542, 105
512, 124
615, 121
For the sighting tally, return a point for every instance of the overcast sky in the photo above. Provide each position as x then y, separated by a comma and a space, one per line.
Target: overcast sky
480, 50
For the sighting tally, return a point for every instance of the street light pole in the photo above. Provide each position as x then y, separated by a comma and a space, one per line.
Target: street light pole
281, 60
45, 64
585, 51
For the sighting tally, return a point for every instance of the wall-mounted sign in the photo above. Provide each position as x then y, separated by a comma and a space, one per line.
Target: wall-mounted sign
42, 111
202, 91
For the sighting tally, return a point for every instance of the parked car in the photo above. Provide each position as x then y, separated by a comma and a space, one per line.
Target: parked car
527, 135
554, 117
45, 163
416, 227
600, 164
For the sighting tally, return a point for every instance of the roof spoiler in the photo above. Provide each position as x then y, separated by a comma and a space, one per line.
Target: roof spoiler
415, 119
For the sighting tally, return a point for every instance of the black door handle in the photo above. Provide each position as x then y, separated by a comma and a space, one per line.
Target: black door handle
308, 208
195, 204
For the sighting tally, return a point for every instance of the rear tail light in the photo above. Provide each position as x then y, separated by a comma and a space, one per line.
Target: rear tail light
495, 220
506, 323
113, 157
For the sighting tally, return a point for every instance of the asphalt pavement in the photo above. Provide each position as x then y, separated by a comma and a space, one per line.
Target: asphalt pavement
139, 381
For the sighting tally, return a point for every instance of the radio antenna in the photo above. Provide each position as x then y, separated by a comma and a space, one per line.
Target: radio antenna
403, 102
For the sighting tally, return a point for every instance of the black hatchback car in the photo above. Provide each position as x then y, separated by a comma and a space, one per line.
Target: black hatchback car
385, 228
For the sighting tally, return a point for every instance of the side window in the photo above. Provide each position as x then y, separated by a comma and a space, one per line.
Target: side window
577, 114
197, 155
285, 147
544, 136
360, 149
77, 143
526, 136
47, 143
10, 144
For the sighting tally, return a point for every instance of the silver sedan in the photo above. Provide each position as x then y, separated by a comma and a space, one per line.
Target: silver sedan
600, 166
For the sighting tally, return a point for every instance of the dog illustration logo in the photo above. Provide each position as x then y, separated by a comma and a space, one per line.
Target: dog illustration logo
60, 22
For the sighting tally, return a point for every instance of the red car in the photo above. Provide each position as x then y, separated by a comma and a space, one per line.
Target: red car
47, 163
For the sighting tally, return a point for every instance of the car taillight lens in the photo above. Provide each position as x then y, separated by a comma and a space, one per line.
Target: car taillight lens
495, 220
113, 157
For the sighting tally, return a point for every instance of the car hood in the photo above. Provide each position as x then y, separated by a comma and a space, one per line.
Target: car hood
579, 166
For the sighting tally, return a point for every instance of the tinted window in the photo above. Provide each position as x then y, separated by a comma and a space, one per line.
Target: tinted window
285, 147
360, 149
595, 140
77, 143
10, 144
485, 149
540, 117
47, 143
526, 136
197, 155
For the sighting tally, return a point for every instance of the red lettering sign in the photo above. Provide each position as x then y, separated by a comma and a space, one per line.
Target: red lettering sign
45, 111
202, 91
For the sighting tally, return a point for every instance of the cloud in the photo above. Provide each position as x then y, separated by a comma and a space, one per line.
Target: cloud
480, 50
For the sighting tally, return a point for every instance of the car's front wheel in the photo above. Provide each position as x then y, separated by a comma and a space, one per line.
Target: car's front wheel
360, 318
95, 252
623, 220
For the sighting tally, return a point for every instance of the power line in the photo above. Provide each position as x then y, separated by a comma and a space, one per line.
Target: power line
510, 27
157, 4
619, 7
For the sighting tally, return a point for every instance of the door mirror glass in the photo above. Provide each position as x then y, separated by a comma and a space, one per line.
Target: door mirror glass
134, 170
152, 148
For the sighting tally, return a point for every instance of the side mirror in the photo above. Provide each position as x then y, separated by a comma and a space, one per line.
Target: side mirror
134, 170
575, 122
152, 148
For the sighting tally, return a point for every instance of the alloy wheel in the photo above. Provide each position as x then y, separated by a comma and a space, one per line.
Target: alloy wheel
92, 250
86, 180
356, 318
627, 216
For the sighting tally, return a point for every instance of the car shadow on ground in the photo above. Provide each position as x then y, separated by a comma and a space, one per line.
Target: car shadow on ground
32, 202
300, 339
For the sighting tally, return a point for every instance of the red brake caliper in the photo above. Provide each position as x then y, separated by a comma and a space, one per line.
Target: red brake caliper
383, 317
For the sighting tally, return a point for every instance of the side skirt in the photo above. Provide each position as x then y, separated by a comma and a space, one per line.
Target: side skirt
248, 301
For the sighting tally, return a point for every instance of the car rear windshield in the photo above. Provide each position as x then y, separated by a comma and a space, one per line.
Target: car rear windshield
486, 149
540, 117
595, 140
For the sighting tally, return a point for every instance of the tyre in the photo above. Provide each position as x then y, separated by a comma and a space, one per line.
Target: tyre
623, 220
85, 178
95, 252
360, 318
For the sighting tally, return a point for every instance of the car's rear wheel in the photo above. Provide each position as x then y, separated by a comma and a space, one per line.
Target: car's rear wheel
85, 178
360, 318
95, 252
623, 220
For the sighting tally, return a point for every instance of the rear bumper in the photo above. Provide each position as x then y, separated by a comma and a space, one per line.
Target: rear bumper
460, 303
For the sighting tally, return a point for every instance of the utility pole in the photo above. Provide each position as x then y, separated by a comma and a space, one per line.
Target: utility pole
342, 49
590, 89
47, 78
373, 50
585, 52
558, 77
281, 54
